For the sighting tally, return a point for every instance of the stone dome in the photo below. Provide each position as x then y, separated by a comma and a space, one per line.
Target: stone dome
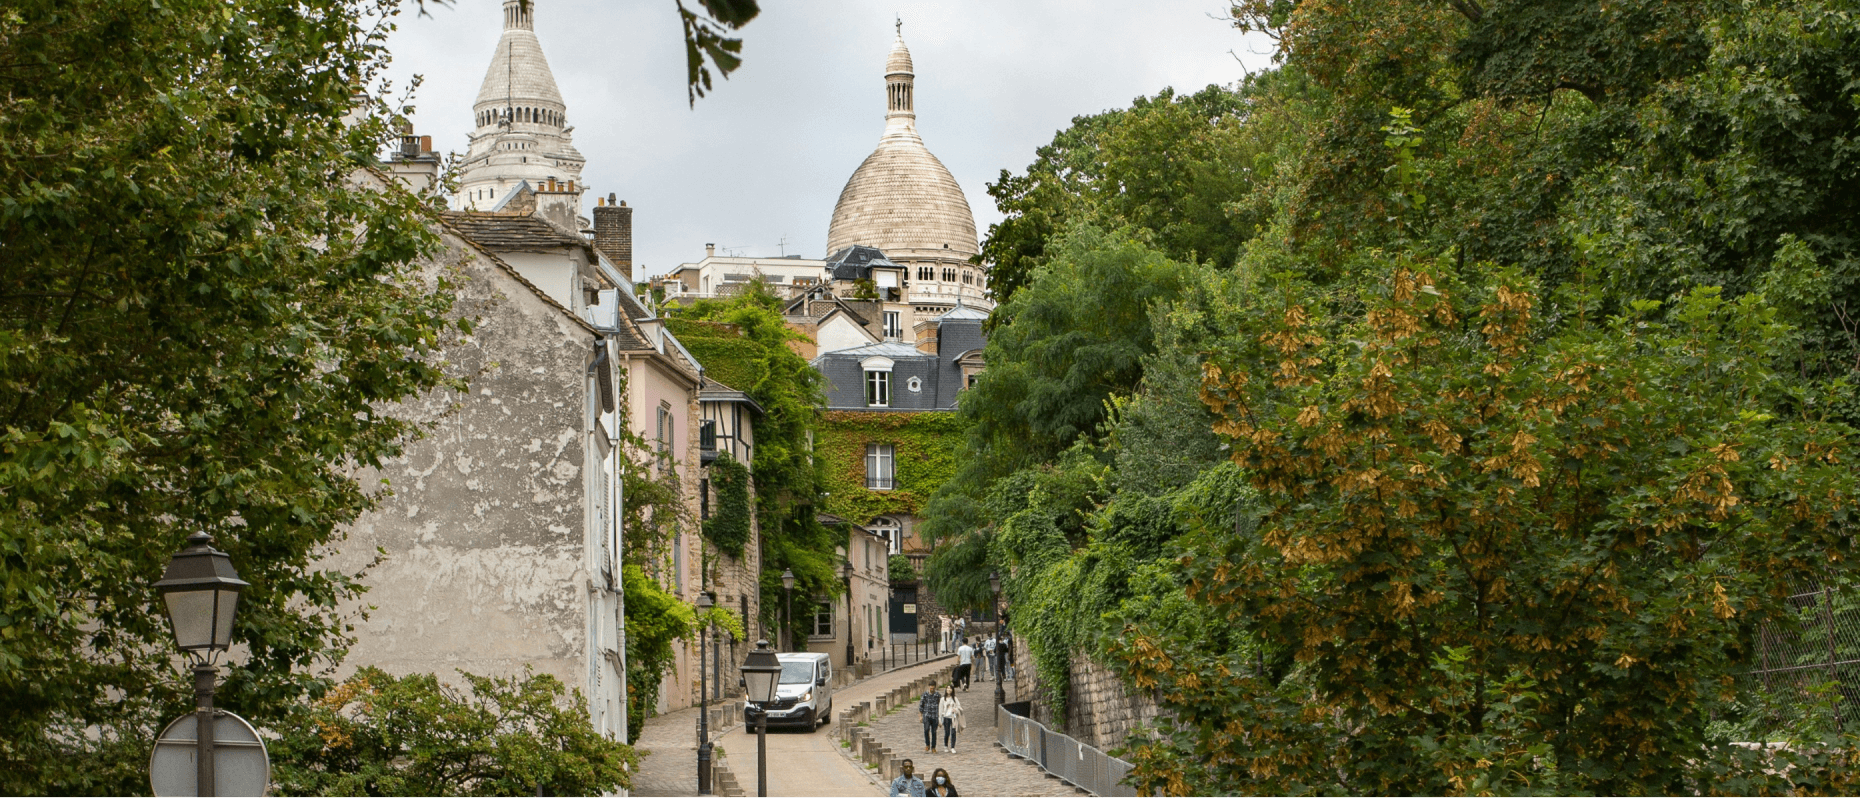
902, 200
518, 70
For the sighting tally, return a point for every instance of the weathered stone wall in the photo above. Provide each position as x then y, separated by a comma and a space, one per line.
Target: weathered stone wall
1101, 710
484, 566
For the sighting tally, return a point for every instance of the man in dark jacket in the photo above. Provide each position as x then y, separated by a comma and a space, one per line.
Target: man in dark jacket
926, 706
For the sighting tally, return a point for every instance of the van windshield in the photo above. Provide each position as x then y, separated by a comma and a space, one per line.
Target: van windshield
797, 672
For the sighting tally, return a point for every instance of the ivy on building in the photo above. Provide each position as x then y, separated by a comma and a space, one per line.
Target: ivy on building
924, 449
729, 523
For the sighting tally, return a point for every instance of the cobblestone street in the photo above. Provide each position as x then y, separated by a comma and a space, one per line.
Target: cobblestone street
978, 767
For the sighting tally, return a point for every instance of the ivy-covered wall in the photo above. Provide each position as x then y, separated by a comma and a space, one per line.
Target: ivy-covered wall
926, 445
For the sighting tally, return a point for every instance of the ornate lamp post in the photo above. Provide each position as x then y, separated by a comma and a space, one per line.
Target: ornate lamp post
787, 590
994, 581
201, 591
703, 781
846, 570
761, 674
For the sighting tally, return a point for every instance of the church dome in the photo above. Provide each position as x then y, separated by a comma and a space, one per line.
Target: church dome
902, 200
518, 70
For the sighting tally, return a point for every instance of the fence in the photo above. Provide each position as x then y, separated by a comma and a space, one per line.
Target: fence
1823, 648
886, 656
1081, 765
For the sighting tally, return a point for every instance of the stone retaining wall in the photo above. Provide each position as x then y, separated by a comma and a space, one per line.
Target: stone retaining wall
1101, 711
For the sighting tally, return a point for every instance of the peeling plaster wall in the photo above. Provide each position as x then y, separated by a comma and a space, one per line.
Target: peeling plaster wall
486, 565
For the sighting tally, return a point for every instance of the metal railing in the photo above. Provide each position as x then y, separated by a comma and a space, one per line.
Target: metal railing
1080, 765
1824, 647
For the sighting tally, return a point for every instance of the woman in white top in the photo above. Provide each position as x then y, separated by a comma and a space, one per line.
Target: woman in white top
950, 710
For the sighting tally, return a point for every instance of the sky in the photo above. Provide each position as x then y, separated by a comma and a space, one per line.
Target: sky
757, 165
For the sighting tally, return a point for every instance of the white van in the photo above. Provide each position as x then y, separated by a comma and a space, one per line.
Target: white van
804, 695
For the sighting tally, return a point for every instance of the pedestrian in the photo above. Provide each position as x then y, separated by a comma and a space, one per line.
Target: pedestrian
1007, 651
988, 658
907, 784
965, 661
942, 784
950, 710
927, 707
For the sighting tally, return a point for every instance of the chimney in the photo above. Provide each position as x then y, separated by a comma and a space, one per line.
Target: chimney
710, 250
613, 233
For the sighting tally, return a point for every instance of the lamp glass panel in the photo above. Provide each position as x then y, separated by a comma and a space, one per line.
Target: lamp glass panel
760, 685
191, 612
223, 618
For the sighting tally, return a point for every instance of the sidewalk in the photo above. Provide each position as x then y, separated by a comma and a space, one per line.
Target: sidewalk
978, 767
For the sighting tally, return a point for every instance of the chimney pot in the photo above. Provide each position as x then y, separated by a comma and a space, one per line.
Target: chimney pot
610, 198
426, 144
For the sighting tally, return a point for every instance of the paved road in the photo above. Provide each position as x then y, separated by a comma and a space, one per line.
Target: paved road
799, 763
811, 764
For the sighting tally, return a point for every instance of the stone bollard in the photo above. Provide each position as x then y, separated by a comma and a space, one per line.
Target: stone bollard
894, 767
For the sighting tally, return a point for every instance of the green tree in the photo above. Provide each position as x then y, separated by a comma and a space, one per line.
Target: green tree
1176, 166
376, 734
1504, 555
201, 318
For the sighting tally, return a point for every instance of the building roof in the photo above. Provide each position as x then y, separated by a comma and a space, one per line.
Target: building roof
902, 198
518, 70
714, 391
857, 262
896, 350
962, 312
512, 231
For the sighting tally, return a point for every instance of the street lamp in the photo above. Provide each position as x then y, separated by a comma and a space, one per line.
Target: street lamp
703, 781
994, 581
761, 674
787, 589
846, 570
201, 590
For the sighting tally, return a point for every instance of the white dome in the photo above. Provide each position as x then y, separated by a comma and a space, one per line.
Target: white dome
902, 200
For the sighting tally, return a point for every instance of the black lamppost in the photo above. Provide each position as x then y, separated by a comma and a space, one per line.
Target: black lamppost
703, 782
846, 570
787, 590
994, 581
761, 674
201, 590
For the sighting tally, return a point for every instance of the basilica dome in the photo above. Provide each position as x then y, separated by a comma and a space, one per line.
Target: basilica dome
901, 199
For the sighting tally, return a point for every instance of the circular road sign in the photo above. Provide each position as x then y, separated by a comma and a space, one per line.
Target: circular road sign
240, 764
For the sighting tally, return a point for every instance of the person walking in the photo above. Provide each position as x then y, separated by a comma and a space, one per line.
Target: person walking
907, 785
942, 784
950, 710
988, 658
965, 662
927, 707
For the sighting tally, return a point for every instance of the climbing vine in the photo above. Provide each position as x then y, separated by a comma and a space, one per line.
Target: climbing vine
924, 447
729, 523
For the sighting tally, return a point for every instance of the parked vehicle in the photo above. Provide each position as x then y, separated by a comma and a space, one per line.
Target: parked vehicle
804, 694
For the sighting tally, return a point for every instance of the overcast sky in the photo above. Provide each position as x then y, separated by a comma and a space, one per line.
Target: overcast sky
756, 167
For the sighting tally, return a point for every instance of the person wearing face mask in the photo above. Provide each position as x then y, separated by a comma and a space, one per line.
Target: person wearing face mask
907, 785
940, 784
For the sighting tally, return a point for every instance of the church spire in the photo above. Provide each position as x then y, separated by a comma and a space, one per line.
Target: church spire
900, 86
521, 131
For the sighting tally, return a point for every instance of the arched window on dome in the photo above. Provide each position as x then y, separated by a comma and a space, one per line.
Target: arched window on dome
926, 273
949, 275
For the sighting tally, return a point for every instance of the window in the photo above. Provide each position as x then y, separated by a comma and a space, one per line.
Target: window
878, 389
878, 466
968, 277
926, 273
894, 326
891, 531
949, 275
972, 379
823, 619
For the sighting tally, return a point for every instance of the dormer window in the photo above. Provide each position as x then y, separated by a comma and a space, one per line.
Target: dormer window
877, 381
878, 389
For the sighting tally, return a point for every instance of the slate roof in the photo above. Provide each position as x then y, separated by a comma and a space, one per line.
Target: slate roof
856, 263
512, 231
